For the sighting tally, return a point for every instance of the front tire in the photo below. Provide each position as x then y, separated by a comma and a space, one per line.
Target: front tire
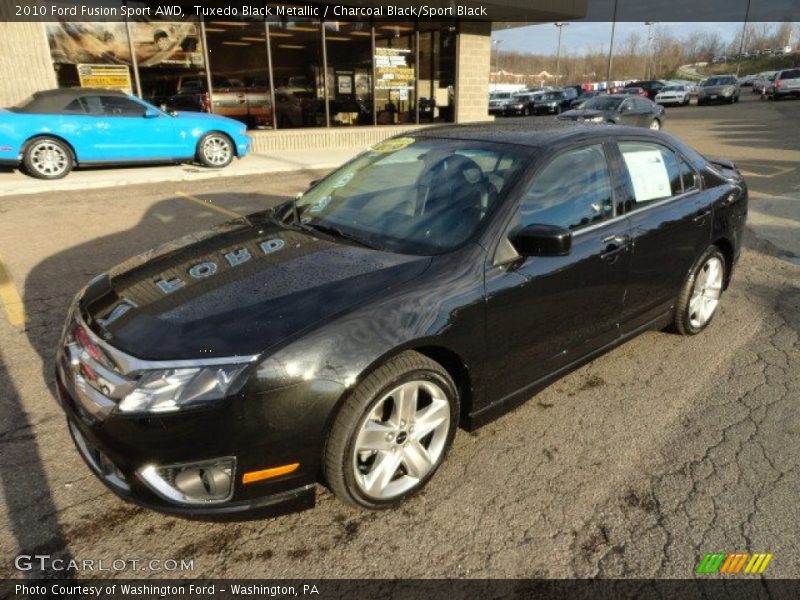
47, 158
215, 150
392, 432
699, 297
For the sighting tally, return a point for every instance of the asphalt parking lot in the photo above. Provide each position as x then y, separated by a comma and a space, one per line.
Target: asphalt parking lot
635, 465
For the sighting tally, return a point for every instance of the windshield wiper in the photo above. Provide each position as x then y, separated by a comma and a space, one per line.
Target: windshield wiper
335, 232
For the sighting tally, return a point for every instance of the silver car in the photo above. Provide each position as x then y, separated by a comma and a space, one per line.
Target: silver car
786, 83
718, 88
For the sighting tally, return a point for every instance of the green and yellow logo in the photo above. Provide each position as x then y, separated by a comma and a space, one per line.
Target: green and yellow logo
721, 562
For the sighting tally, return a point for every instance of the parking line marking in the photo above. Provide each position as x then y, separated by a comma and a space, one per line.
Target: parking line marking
210, 204
10, 298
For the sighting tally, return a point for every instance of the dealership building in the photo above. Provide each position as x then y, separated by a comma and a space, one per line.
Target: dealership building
297, 81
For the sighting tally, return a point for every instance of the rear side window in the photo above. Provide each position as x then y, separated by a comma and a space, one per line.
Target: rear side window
75, 107
573, 191
653, 170
791, 74
688, 180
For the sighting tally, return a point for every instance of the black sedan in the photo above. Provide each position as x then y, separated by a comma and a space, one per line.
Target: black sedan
621, 109
436, 280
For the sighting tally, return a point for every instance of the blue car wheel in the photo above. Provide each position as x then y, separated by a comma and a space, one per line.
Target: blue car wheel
47, 158
215, 150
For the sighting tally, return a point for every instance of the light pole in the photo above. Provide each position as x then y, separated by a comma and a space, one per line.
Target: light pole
497, 59
649, 48
741, 43
611, 47
558, 51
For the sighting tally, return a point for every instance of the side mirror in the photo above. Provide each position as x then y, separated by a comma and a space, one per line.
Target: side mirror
314, 183
541, 240
151, 113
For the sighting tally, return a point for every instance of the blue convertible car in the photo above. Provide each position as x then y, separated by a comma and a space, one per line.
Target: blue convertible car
55, 130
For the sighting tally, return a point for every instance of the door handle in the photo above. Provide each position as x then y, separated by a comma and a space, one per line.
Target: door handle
614, 244
701, 215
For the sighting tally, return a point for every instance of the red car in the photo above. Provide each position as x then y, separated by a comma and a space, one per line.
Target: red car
635, 91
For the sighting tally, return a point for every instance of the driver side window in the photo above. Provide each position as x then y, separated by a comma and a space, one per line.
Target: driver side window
573, 191
118, 106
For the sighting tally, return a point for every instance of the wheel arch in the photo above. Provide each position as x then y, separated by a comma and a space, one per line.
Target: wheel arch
36, 136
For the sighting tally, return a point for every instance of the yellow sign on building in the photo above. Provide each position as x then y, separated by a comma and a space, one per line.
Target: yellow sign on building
114, 77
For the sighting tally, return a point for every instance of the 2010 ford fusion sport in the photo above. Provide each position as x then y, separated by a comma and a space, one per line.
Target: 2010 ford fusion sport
342, 337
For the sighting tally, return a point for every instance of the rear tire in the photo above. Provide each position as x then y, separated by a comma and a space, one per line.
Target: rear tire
698, 300
47, 158
374, 458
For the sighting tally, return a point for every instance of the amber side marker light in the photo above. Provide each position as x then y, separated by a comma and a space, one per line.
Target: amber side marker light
254, 476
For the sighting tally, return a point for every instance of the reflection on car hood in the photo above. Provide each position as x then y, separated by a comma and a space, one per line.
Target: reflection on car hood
237, 289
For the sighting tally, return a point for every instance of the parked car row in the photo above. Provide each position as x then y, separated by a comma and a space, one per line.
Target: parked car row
752, 54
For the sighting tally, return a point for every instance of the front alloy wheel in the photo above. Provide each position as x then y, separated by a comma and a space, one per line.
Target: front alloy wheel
215, 150
392, 432
655, 124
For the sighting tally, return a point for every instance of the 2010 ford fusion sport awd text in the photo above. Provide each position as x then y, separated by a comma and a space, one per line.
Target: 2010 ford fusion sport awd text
436, 280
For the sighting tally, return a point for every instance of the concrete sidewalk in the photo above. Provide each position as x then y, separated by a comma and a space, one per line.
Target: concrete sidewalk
14, 183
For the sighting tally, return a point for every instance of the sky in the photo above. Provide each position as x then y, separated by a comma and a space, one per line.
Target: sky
578, 37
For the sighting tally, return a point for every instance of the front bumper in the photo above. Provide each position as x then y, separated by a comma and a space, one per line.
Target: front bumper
116, 458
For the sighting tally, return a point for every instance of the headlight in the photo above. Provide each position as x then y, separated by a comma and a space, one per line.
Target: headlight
597, 119
727, 91
169, 390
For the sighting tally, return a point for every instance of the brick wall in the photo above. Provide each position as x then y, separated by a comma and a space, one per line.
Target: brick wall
473, 56
25, 65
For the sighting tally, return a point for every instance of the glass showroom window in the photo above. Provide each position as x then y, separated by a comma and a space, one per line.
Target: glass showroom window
171, 64
395, 73
297, 73
237, 59
349, 62
91, 54
437, 59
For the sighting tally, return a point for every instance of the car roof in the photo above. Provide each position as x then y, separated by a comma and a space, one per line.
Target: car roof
49, 101
534, 134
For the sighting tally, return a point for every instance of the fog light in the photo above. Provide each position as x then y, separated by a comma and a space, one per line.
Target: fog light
192, 483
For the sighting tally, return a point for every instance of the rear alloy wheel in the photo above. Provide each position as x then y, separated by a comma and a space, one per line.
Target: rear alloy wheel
655, 124
47, 158
701, 292
392, 432
215, 150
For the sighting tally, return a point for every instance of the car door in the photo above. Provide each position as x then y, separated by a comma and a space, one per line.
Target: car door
123, 131
670, 220
627, 113
544, 313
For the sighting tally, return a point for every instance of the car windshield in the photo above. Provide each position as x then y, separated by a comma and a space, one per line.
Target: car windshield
602, 103
501, 95
673, 88
718, 81
547, 97
410, 195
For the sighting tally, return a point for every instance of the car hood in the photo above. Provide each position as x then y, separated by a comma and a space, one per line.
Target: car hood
238, 289
584, 113
201, 116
